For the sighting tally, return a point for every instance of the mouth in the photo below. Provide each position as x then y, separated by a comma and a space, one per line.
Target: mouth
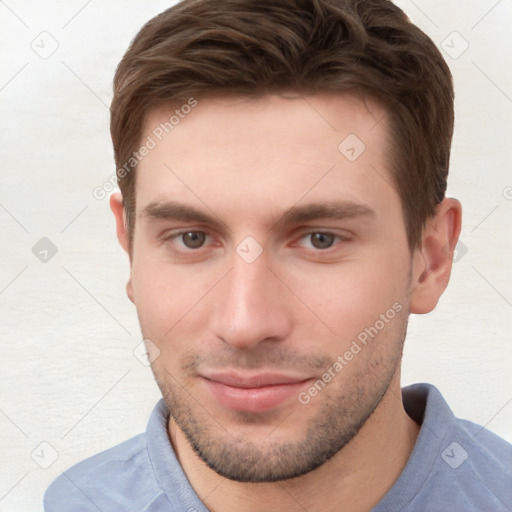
257, 393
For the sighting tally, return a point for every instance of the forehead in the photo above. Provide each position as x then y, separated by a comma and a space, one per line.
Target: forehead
267, 153
270, 118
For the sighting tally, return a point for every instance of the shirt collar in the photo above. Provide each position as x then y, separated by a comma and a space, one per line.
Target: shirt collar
422, 402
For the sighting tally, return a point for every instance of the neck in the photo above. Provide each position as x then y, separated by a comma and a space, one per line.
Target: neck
354, 480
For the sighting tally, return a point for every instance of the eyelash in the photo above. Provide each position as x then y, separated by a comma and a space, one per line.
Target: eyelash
337, 239
174, 236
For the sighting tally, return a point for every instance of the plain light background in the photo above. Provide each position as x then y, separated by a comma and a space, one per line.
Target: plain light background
69, 378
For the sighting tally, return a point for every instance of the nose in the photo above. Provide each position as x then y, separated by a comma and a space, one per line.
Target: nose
251, 306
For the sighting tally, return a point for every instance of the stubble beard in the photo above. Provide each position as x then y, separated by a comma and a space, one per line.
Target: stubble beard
341, 414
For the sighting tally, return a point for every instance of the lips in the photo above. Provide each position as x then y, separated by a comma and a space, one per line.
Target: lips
256, 393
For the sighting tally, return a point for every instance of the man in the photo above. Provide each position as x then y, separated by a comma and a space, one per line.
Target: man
283, 169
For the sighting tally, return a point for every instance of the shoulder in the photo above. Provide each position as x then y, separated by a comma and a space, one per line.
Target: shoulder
457, 461
473, 471
477, 451
107, 481
487, 457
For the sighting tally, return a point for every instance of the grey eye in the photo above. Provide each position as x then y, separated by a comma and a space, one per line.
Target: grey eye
322, 240
193, 239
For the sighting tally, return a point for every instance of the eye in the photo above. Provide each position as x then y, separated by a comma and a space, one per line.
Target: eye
193, 239
322, 240
189, 244
319, 240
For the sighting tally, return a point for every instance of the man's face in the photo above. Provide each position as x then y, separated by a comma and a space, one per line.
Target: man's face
264, 253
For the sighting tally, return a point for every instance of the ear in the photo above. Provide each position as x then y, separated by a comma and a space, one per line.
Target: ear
432, 262
117, 207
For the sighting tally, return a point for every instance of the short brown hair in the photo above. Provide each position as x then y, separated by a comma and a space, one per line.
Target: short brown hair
252, 48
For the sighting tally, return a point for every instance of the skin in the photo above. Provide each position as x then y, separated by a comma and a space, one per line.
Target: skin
294, 309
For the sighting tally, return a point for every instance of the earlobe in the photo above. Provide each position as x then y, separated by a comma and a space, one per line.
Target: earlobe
432, 263
117, 207
129, 289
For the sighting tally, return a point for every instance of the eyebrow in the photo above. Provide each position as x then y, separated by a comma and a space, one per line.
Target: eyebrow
328, 210
173, 210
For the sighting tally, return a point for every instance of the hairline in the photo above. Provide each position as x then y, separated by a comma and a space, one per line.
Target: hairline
365, 96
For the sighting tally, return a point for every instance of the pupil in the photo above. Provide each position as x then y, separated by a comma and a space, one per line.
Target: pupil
193, 239
322, 240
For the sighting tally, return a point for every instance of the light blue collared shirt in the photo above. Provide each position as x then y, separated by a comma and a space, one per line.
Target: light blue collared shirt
455, 465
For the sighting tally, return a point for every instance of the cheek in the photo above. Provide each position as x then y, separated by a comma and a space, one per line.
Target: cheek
352, 298
171, 302
159, 297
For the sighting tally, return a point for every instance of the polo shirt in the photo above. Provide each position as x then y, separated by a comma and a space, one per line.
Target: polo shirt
455, 465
